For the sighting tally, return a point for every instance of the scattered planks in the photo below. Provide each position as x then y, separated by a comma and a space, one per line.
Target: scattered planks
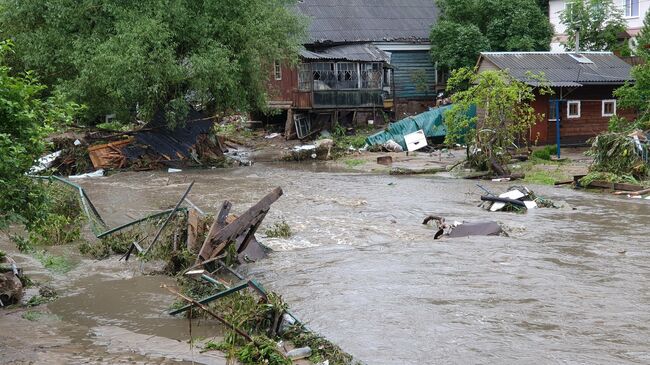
243, 228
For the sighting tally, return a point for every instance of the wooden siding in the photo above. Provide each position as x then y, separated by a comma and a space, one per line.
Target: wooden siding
283, 89
408, 64
576, 130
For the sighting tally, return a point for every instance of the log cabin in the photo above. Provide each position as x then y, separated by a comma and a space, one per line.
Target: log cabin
583, 87
364, 62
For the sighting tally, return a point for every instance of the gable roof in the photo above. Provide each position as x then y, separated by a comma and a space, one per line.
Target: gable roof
563, 68
345, 21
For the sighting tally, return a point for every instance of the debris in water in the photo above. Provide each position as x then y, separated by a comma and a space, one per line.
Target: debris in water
98, 173
517, 198
463, 229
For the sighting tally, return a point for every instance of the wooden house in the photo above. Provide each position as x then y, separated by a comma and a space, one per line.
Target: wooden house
582, 102
364, 60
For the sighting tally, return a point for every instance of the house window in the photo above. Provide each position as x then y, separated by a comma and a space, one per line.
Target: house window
304, 77
573, 109
552, 112
323, 76
371, 74
632, 8
277, 70
609, 108
347, 75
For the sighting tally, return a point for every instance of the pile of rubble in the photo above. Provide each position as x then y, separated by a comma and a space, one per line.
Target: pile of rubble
516, 199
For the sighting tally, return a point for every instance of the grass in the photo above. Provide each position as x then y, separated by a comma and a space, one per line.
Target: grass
279, 230
354, 162
543, 172
57, 264
32, 315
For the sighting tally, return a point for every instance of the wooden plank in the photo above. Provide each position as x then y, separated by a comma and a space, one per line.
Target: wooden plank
194, 229
218, 239
251, 233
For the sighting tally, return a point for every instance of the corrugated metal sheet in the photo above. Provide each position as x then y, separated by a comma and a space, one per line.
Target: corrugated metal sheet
413, 68
369, 20
364, 52
561, 69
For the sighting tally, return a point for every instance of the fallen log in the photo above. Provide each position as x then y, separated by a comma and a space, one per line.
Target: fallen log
496, 199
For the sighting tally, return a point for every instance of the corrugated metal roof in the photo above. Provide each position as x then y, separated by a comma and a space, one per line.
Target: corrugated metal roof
343, 21
365, 52
561, 69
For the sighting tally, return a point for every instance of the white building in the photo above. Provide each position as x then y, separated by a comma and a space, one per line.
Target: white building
634, 12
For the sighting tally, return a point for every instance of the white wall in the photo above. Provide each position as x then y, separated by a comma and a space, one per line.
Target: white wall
556, 7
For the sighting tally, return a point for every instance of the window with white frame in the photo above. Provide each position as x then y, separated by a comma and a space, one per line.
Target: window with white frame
632, 8
277, 70
304, 77
609, 108
573, 109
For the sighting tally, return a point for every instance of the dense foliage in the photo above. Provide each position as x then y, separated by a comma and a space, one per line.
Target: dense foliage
136, 58
25, 120
468, 27
637, 95
599, 23
506, 116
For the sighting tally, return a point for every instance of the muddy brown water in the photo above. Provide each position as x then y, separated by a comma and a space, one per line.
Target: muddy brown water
568, 285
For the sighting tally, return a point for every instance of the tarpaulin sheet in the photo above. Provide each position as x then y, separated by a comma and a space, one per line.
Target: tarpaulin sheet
431, 122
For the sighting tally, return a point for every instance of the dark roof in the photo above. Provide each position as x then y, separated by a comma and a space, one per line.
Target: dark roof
364, 52
344, 21
563, 68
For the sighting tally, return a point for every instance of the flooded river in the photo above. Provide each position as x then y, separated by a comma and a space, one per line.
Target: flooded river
568, 286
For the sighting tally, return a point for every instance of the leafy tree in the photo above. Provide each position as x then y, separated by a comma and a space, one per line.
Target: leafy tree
506, 115
136, 58
25, 120
455, 45
643, 39
468, 27
598, 21
637, 95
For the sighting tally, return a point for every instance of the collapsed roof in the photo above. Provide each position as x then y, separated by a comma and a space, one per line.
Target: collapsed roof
562, 69
347, 21
365, 52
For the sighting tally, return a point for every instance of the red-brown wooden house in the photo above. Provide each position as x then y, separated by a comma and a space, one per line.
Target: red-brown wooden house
583, 86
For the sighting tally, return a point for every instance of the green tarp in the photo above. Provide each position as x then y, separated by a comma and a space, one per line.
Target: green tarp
431, 122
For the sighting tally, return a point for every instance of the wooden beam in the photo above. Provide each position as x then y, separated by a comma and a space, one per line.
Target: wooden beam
218, 239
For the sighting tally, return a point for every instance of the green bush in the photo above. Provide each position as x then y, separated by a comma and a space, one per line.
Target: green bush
545, 152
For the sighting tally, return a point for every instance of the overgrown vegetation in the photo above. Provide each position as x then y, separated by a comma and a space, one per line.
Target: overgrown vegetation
507, 116
599, 22
54, 263
468, 27
61, 217
279, 230
545, 152
616, 153
636, 96
27, 116
137, 59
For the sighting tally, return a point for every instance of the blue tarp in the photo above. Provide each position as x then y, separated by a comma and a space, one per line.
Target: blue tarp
431, 122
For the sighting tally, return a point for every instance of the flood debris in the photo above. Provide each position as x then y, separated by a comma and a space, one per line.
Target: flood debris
516, 199
11, 287
463, 229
